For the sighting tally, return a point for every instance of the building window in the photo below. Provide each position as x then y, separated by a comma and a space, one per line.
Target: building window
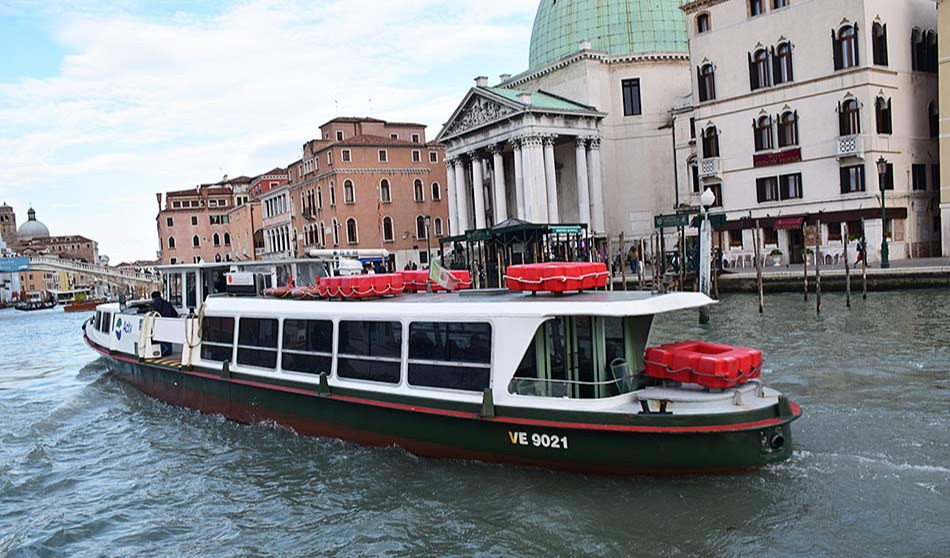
717, 190
169, 222
433, 157
702, 23
339, 135
924, 51
385, 193
707, 82
849, 121
345, 155
852, 179
257, 342
319, 197
416, 156
776, 4
370, 351
767, 189
336, 232
227, 239
882, 114
694, 175
887, 179
171, 243
332, 195
194, 221
349, 193
383, 156
710, 142
759, 69
195, 241
421, 227
393, 136
933, 116
631, 97
790, 186
788, 129
845, 43
782, 64
216, 240
352, 234
756, 7
307, 346
330, 157
418, 191
450, 355
919, 177
437, 226
763, 133
436, 192
879, 43
415, 138
388, 229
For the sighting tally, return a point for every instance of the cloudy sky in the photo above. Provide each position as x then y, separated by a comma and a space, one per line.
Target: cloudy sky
103, 104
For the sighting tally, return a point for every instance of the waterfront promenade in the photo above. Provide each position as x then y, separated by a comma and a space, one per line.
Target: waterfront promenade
903, 274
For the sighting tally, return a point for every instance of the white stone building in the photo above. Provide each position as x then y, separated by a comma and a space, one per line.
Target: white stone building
794, 103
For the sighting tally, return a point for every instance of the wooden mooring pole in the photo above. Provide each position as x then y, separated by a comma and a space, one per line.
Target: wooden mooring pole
818, 265
864, 263
847, 266
756, 237
623, 263
641, 264
805, 257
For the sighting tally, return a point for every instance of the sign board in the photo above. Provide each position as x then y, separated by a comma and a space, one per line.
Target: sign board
565, 229
780, 158
8, 265
671, 221
717, 221
811, 235
478, 235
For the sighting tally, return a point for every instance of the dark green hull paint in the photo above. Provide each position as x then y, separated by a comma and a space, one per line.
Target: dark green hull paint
462, 434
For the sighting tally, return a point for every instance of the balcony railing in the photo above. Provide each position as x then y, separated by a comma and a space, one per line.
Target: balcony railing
849, 146
710, 168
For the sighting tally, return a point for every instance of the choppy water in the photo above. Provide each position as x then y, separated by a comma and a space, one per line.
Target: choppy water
91, 467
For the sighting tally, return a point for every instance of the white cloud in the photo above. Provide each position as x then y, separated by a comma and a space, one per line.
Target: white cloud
147, 103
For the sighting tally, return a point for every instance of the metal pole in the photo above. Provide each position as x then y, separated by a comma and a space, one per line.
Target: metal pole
885, 260
864, 263
705, 257
847, 267
623, 256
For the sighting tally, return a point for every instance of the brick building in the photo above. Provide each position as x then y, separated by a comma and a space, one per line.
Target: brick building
71, 247
7, 225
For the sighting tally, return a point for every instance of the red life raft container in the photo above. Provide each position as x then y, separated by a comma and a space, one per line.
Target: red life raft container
361, 286
710, 365
415, 281
556, 277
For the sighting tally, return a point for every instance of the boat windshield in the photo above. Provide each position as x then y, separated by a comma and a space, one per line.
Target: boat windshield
583, 357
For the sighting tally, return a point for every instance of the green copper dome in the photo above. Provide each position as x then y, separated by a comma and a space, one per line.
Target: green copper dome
613, 26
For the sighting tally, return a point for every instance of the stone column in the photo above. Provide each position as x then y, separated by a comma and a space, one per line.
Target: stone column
596, 186
550, 179
501, 193
583, 193
453, 200
478, 188
461, 195
519, 180
536, 198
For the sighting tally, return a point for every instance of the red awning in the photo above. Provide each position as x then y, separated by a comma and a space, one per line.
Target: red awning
788, 223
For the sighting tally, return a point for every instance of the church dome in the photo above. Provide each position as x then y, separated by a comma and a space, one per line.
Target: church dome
32, 228
613, 26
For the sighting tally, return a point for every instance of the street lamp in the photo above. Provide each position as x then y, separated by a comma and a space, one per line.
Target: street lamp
881, 172
707, 200
428, 221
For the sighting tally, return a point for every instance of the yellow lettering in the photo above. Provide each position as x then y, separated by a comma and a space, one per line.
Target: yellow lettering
513, 436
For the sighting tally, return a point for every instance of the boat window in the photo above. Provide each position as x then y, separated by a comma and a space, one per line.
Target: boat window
307, 346
173, 289
581, 357
191, 296
98, 322
217, 338
450, 355
106, 323
370, 351
257, 342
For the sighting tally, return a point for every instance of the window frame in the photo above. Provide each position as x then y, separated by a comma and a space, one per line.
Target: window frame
477, 365
327, 354
275, 349
398, 360
631, 97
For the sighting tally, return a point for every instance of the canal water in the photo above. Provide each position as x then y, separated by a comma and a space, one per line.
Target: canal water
91, 467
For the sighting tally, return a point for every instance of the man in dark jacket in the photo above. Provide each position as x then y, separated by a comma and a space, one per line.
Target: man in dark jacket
165, 310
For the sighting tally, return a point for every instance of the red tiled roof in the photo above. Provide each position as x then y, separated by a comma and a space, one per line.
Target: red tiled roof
371, 140
405, 124
351, 119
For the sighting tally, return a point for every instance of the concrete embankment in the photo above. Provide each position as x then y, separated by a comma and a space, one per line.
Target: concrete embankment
904, 277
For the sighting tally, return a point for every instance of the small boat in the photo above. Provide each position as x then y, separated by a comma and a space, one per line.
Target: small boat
82, 306
551, 372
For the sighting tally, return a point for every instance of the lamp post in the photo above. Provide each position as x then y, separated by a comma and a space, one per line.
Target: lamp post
881, 173
428, 221
707, 200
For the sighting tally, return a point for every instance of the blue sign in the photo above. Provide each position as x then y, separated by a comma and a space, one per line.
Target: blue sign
8, 265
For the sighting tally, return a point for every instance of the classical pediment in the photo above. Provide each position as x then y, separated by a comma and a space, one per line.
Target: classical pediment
477, 110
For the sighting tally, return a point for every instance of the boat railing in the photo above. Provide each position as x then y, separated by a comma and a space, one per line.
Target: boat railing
545, 387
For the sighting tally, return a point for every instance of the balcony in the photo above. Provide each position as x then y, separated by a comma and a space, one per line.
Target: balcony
849, 146
710, 168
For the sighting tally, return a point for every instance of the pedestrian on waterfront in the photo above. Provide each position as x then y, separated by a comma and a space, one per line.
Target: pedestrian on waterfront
860, 249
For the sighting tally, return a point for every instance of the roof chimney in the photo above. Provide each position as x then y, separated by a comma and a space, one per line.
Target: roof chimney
584, 44
524, 97
481, 81
504, 77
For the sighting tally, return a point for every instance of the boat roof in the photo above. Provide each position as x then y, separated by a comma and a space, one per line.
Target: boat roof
472, 304
186, 267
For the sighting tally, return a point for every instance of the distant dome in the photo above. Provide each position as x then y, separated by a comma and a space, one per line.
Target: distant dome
32, 228
613, 26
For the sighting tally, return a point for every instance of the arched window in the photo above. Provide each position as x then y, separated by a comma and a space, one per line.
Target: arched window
385, 193
710, 142
788, 129
436, 191
918, 50
418, 191
756, 7
707, 82
195, 241
694, 174
882, 115
216, 239
352, 235
933, 115
217, 257
227, 239
336, 232
421, 227
702, 23
759, 69
763, 133
782, 63
845, 43
931, 62
849, 121
776, 4
437, 224
332, 194
879, 43
349, 194
388, 229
